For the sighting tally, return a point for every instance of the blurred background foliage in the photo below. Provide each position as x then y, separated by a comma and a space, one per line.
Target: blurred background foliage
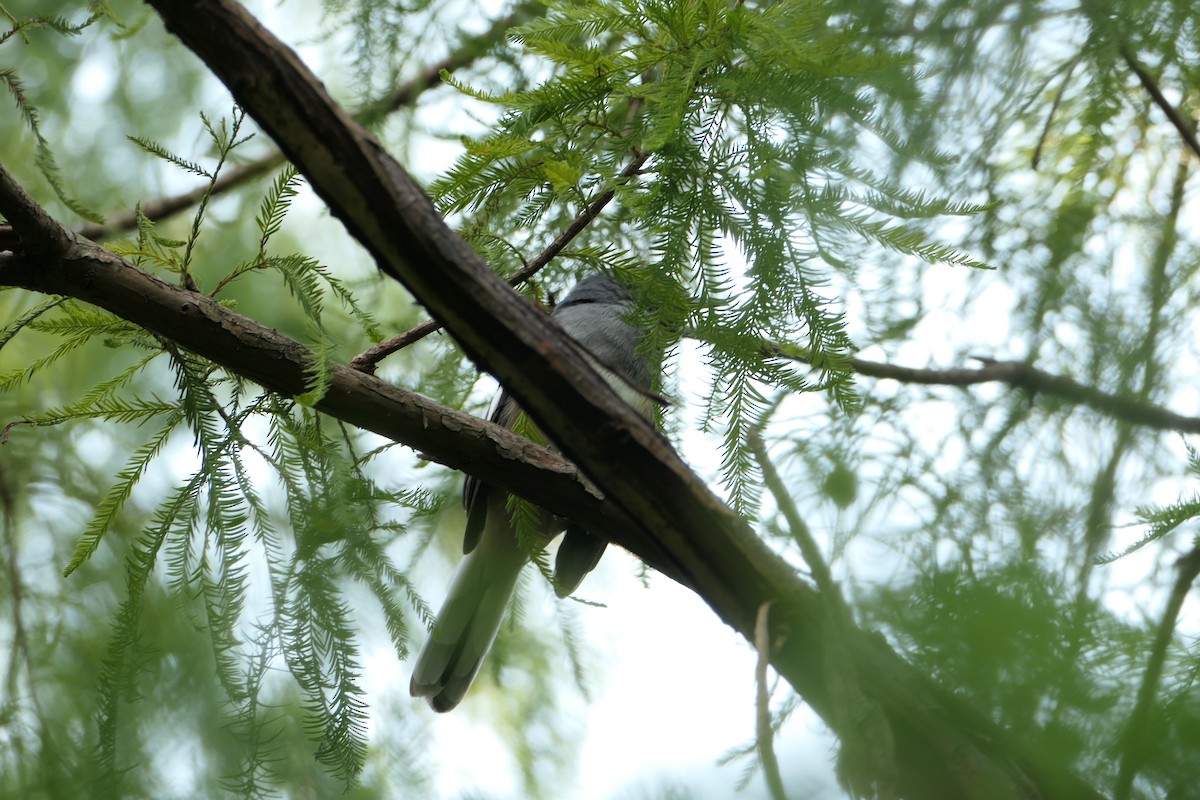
973, 526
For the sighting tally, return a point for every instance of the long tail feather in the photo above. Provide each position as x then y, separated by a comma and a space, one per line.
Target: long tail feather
470, 616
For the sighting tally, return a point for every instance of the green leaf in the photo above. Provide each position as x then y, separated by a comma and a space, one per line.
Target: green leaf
561, 174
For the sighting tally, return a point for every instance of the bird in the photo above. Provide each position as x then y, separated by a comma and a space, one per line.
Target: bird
598, 314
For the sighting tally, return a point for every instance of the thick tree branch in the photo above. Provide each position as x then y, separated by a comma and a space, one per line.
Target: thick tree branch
192, 319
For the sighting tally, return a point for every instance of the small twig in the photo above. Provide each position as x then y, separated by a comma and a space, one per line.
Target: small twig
796, 524
1135, 735
1058, 98
367, 360
1186, 128
403, 95
581, 221
1018, 374
765, 733
468, 50
158, 210
9, 426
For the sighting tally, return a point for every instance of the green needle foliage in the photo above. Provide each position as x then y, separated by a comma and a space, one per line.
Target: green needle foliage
214, 532
745, 157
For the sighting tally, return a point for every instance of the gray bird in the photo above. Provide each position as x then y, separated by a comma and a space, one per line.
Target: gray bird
595, 314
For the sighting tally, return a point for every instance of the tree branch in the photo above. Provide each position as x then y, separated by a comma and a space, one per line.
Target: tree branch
247, 348
1186, 128
369, 358
165, 207
764, 733
796, 525
1020, 375
1135, 742
470, 49
1023, 375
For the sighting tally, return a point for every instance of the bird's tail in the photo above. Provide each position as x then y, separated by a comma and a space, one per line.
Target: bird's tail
470, 616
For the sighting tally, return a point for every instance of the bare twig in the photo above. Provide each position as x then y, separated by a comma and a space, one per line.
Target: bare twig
402, 95
581, 221
796, 524
367, 360
163, 208
1186, 128
1135, 742
765, 733
370, 358
1068, 71
1021, 375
